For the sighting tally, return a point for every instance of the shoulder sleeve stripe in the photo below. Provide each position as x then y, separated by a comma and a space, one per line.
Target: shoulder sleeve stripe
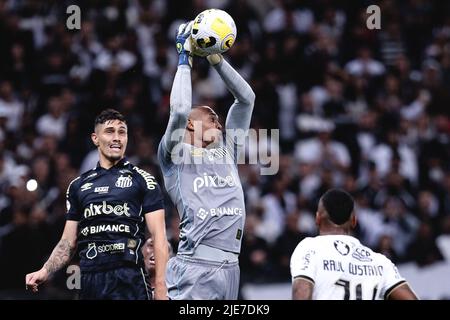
305, 278
392, 288
70, 184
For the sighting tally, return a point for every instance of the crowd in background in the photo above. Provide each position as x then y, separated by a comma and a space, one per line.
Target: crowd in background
365, 110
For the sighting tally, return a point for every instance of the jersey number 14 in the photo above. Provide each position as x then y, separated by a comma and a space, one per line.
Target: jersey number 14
358, 290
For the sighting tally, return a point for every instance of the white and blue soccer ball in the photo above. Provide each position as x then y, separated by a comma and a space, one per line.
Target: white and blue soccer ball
213, 31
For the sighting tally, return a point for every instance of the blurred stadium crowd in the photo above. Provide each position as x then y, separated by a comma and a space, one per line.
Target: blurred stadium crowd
366, 110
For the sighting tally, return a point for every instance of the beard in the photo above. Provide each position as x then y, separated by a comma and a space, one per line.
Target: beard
113, 157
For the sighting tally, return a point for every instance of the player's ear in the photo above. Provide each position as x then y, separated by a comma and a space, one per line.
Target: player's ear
318, 218
190, 125
353, 221
94, 139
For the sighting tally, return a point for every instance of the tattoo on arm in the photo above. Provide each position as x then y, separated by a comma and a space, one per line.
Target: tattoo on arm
60, 256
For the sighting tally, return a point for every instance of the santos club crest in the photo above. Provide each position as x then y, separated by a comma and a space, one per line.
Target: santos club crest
124, 182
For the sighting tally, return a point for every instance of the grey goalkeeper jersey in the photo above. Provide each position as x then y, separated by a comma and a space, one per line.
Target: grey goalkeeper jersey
204, 183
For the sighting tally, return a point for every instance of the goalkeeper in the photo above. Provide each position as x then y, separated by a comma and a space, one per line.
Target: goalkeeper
201, 177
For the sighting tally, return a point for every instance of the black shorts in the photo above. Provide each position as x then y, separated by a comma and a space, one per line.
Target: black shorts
125, 283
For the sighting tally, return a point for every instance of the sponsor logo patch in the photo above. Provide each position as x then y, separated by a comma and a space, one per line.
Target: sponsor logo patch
219, 212
91, 252
101, 189
149, 179
213, 181
86, 186
118, 228
361, 254
105, 208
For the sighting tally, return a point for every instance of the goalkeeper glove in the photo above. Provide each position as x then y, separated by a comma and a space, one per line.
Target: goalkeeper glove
214, 58
183, 43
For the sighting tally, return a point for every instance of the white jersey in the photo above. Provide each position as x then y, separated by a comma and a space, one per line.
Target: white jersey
341, 268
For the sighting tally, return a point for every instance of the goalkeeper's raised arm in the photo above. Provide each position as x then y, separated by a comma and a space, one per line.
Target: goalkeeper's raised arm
240, 113
180, 96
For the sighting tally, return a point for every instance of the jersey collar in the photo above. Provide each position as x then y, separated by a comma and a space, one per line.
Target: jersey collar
122, 163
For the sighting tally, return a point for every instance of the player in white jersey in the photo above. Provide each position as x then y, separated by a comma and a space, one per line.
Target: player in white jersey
336, 266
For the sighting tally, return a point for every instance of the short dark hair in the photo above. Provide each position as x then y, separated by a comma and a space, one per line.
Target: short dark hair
109, 114
338, 204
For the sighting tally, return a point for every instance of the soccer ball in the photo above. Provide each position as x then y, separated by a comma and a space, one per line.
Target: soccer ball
213, 31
